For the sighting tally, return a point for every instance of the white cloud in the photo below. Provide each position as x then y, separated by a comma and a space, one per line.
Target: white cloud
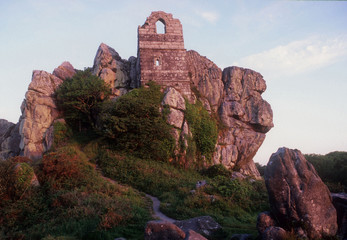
209, 16
298, 56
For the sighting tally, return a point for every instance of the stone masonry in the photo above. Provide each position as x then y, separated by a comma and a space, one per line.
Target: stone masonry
162, 56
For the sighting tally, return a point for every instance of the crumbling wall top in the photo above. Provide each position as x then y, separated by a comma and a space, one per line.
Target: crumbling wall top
173, 26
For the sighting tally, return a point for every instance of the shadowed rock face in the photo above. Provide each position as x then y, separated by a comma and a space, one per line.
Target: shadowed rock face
340, 203
9, 139
299, 199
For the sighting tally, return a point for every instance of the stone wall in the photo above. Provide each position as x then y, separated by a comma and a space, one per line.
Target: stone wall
162, 57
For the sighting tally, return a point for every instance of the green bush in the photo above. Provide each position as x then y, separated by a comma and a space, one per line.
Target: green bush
15, 178
216, 170
67, 168
134, 124
80, 97
62, 133
204, 129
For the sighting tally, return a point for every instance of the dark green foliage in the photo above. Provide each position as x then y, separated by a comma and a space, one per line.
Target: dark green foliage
80, 98
15, 178
261, 168
332, 168
204, 129
62, 133
146, 175
216, 170
134, 124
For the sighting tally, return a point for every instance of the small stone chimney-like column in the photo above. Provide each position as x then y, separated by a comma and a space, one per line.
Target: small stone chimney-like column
162, 56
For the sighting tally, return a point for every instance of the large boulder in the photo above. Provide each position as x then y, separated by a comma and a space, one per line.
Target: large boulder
115, 71
204, 225
264, 221
64, 71
274, 233
192, 235
243, 101
299, 199
246, 118
161, 230
9, 139
39, 110
235, 95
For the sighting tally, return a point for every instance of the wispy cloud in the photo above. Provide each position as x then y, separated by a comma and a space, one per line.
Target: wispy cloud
209, 16
298, 56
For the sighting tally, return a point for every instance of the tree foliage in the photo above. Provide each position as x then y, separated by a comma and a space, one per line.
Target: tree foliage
204, 129
134, 123
332, 168
80, 97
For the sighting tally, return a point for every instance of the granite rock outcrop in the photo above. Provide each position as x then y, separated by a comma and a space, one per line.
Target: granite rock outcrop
119, 74
9, 139
231, 96
299, 200
234, 94
39, 110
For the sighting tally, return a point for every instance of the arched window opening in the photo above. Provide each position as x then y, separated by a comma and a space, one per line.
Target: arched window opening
161, 28
157, 62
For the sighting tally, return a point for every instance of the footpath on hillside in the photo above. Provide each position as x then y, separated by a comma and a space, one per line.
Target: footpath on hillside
156, 209
157, 214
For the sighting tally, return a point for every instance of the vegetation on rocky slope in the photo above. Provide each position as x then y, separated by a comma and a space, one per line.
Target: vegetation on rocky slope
92, 182
73, 200
204, 129
129, 141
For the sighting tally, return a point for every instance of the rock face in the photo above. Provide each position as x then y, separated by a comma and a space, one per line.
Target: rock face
272, 233
39, 109
118, 73
235, 95
299, 199
340, 203
206, 77
264, 221
9, 139
188, 229
204, 225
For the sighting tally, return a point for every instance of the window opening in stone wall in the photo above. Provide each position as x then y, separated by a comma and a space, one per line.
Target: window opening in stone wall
157, 62
161, 28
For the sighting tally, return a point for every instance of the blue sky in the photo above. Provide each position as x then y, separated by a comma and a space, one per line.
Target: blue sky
300, 47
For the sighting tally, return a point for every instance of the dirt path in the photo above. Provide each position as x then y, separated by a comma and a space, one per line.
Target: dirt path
156, 210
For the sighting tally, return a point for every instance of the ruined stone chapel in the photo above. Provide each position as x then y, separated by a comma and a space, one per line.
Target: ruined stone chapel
162, 56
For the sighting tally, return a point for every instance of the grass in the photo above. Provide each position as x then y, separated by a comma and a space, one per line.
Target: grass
234, 204
73, 202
